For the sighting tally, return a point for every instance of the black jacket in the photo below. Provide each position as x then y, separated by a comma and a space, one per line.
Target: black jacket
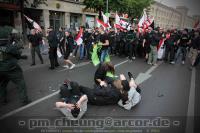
102, 95
52, 39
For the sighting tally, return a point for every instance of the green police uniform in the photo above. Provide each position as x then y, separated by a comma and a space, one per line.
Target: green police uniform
11, 71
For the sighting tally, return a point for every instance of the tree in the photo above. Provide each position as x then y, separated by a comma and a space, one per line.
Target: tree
133, 8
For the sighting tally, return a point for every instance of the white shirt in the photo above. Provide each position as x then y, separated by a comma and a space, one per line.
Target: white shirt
133, 98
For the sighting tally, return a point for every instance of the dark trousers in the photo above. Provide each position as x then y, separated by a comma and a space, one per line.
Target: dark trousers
62, 48
34, 50
170, 50
53, 57
88, 49
16, 76
131, 50
122, 48
197, 60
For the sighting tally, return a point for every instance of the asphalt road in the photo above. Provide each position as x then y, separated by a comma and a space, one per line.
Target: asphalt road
165, 95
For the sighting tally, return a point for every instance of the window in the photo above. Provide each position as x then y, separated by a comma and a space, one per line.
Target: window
56, 19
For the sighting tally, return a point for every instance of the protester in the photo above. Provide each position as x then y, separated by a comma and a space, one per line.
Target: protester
35, 40
101, 78
130, 95
104, 41
154, 41
69, 49
195, 48
74, 103
182, 46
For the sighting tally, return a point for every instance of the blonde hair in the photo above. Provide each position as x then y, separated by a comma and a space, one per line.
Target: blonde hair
118, 84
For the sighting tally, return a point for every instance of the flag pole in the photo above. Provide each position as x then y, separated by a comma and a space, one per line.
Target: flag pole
107, 6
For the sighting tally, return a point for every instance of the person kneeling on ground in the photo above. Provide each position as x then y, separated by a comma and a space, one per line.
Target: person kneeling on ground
101, 77
130, 92
74, 103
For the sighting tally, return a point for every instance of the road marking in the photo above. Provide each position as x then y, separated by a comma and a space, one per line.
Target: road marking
120, 63
44, 98
191, 104
77, 66
144, 76
28, 105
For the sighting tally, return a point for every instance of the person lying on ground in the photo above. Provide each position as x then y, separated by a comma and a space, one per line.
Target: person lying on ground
74, 103
130, 92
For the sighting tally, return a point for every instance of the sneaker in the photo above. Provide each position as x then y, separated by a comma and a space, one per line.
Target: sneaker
149, 63
183, 62
130, 60
130, 75
172, 62
66, 66
72, 66
134, 58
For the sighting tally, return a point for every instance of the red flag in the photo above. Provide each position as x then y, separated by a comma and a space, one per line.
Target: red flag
100, 23
78, 38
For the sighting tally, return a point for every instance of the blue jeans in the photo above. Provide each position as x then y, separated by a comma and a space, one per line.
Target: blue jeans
104, 53
181, 51
82, 47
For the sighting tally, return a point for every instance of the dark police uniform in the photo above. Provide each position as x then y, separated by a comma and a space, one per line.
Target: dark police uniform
53, 44
11, 71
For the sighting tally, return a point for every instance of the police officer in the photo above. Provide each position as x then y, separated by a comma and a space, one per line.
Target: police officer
53, 44
11, 71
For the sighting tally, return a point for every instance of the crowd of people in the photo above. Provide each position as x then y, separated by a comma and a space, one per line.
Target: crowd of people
121, 42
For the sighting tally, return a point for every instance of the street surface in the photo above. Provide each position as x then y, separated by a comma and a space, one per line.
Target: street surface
170, 92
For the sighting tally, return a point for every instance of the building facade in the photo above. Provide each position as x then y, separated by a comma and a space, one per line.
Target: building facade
10, 14
170, 18
62, 13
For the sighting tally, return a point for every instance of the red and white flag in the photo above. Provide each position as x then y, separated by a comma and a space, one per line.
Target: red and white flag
101, 23
121, 24
160, 48
145, 22
197, 24
34, 24
106, 19
78, 38
117, 26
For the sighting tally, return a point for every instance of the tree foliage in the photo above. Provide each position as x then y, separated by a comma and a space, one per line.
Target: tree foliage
35, 3
133, 8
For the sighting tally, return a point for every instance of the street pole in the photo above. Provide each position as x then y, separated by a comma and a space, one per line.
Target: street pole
107, 6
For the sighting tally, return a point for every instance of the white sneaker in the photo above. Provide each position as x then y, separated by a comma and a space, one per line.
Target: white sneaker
183, 62
173, 62
134, 58
72, 66
66, 66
